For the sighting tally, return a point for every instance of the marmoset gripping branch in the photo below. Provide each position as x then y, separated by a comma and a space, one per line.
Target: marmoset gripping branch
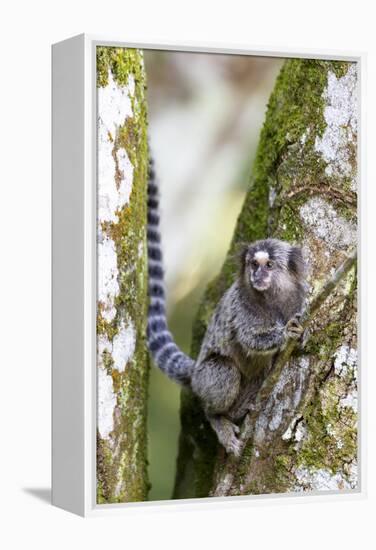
285, 353
253, 329
246, 431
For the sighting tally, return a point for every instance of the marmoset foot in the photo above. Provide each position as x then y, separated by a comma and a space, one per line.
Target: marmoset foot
227, 433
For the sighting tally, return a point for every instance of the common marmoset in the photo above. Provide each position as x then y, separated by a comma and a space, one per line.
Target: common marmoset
249, 325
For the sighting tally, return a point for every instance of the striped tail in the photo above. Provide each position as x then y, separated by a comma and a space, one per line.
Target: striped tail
166, 354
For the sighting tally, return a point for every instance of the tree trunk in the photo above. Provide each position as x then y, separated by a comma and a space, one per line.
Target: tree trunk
122, 276
303, 421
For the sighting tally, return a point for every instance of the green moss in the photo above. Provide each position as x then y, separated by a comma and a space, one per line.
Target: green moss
323, 341
290, 227
122, 62
108, 362
332, 429
104, 327
295, 107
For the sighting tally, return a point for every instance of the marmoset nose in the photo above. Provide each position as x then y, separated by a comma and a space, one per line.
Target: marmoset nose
260, 274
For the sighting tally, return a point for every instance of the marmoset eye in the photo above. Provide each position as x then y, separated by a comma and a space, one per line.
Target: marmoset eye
269, 264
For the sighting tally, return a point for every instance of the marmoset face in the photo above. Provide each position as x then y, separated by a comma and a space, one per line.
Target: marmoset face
260, 269
272, 264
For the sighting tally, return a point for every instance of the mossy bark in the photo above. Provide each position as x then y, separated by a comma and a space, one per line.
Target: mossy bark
303, 190
122, 276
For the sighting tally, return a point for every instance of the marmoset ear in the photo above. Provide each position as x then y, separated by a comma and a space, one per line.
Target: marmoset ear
241, 255
296, 262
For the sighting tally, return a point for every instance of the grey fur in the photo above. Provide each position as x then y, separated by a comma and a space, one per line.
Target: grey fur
248, 327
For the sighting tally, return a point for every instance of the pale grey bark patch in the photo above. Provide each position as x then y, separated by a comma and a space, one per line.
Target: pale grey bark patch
326, 224
114, 106
324, 480
285, 397
340, 115
106, 403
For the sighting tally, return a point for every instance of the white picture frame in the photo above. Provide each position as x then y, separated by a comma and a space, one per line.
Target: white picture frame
74, 274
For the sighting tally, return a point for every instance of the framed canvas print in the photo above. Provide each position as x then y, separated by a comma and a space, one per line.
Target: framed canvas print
205, 283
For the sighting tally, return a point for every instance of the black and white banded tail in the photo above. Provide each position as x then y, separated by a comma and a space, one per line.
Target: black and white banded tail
166, 354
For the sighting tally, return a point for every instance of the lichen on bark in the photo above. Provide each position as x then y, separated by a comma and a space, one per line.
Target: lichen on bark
303, 190
122, 276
